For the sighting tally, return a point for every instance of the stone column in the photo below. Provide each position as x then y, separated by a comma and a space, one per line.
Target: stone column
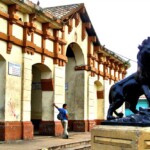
91, 101
26, 97
59, 95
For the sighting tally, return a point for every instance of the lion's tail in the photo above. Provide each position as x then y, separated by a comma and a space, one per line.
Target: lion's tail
120, 115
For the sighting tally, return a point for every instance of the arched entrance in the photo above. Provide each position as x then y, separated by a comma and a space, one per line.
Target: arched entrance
99, 101
41, 95
2, 87
74, 88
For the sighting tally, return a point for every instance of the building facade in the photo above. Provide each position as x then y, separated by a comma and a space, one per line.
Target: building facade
52, 55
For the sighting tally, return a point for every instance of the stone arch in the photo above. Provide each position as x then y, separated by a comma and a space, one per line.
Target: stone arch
99, 103
41, 95
74, 91
2, 87
77, 52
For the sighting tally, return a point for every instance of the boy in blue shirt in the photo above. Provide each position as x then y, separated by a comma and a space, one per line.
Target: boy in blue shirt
64, 120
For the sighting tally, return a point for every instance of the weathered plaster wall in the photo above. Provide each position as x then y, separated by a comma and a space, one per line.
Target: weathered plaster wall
79, 95
2, 87
37, 40
70, 87
13, 86
74, 94
3, 7
49, 45
91, 98
4, 25
17, 32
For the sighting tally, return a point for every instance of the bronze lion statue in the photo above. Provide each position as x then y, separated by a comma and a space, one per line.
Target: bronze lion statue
131, 88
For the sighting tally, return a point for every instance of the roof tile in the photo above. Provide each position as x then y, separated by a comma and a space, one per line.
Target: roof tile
61, 11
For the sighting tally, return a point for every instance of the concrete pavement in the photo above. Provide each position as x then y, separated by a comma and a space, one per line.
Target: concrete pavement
44, 142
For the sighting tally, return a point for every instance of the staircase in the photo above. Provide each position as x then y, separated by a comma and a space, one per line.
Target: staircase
82, 145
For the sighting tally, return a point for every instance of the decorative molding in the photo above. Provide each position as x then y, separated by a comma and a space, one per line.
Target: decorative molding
83, 67
3, 36
77, 19
32, 17
59, 57
91, 39
28, 50
84, 27
70, 25
42, 59
9, 47
12, 9
31, 27
46, 33
60, 41
82, 11
105, 68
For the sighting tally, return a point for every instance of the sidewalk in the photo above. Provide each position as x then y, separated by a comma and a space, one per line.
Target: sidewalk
44, 142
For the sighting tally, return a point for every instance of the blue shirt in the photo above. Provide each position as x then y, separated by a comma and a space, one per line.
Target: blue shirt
64, 112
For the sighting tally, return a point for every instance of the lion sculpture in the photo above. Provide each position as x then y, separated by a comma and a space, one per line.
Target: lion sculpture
131, 88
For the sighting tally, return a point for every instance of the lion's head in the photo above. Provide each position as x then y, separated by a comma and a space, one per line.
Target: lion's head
143, 58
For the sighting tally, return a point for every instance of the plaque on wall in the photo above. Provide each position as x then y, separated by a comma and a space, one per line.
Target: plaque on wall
14, 69
66, 86
36, 85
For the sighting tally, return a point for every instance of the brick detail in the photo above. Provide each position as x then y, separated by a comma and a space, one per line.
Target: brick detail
47, 84
80, 125
70, 125
10, 131
91, 124
98, 121
100, 94
51, 128
27, 130
83, 125
2, 131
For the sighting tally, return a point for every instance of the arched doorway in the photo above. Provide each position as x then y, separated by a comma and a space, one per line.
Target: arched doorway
99, 101
74, 84
2, 87
41, 95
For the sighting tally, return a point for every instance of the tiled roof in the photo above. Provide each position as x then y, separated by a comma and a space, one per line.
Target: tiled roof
61, 11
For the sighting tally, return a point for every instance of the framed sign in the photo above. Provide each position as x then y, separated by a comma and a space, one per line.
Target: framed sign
14, 69
66, 86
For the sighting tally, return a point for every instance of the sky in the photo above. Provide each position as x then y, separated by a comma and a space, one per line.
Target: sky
121, 25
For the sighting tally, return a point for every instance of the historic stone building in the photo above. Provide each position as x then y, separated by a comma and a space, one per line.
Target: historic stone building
52, 55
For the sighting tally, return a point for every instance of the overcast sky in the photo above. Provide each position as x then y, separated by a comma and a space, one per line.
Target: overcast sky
121, 25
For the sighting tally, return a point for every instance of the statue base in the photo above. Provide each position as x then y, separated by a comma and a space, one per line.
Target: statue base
125, 124
108, 137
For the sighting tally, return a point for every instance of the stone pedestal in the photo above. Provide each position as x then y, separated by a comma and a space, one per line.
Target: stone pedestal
105, 137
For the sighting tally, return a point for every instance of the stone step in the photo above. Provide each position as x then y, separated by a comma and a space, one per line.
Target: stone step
82, 145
